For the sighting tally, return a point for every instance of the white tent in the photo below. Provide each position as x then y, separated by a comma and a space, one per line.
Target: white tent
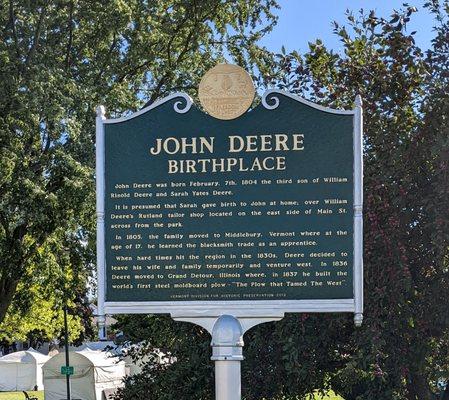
133, 367
94, 371
21, 370
103, 345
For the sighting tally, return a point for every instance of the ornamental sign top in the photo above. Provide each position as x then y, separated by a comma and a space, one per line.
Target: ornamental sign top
226, 91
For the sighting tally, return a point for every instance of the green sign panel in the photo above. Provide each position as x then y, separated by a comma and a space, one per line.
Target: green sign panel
256, 208
67, 370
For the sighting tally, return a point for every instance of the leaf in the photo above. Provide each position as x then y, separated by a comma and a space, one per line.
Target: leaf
395, 19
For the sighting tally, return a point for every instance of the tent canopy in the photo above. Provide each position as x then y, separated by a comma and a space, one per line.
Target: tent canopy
25, 356
22, 370
94, 371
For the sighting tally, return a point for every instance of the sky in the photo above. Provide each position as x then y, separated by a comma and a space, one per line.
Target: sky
303, 21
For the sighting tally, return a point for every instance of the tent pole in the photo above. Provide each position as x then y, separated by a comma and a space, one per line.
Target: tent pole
67, 361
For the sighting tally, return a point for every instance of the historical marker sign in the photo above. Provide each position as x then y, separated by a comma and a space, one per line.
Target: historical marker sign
203, 215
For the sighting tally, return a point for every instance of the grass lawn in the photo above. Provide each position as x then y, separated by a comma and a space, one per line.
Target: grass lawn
40, 396
20, 395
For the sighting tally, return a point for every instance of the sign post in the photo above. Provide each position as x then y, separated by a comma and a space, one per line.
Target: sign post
227, 343
229, 223
67, 370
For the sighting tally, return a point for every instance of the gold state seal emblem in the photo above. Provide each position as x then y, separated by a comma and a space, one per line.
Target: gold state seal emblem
226, 91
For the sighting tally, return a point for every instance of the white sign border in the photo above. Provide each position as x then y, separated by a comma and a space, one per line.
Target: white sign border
237, 308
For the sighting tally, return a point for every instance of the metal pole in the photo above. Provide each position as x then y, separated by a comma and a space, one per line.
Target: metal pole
99, 165
227, 346
67, 361
358, 211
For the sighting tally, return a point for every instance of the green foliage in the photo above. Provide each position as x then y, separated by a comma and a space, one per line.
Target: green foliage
42, 320
401, 349
189, 377
394, 355
58, 60
35, 313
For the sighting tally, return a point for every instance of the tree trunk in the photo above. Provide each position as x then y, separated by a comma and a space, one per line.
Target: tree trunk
12, 267
417, 387
7, 290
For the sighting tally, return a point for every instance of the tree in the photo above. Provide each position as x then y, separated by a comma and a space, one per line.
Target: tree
191, 376
401, 349
35, 314
59, 59
394, 355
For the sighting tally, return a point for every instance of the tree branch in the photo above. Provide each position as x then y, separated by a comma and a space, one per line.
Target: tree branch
12, 22
36, 37
111, 49
4, 222
70, 41
184, 51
